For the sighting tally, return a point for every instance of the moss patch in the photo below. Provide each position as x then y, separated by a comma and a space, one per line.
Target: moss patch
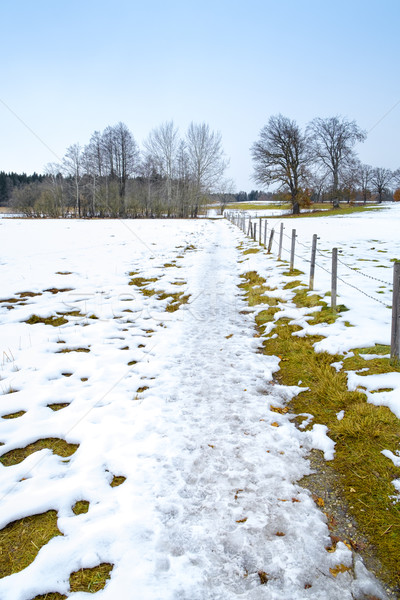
58, 405
57, 445
21, 540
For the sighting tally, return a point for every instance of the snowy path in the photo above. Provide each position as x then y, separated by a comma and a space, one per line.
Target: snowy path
210, 508
229, 511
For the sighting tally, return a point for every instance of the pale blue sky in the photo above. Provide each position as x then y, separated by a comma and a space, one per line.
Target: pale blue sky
70, 67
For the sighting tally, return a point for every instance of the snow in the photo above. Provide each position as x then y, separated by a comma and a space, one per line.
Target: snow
211, 496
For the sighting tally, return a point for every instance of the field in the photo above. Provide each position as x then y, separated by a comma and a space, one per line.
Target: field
148, 440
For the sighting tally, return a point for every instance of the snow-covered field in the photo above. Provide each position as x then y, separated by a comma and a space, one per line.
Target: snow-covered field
178, 403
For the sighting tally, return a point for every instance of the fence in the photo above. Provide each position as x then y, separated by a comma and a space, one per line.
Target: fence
245, 223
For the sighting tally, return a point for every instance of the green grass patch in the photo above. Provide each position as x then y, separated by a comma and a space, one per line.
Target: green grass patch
344, 210
21, 540
251, 206
372, 366
256, 291
57, 445
58, 405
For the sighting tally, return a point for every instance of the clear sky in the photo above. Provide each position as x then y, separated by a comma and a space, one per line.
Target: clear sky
70, 67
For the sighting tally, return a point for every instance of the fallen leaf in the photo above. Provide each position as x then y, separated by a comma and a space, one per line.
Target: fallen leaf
229, 336
352, 490
275, 424
338, 569
242, 520
263, 577
318, 501
279, 534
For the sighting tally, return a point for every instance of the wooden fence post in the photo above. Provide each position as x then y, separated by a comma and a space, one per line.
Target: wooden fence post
254, 231
292, 249
249, 229
265, 232
312, 266
280, 242
395, 341
259, 233
271, 237
334, 279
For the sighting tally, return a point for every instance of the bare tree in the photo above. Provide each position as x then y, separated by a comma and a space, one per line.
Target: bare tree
332, 146
381, 180
206, 159
126, 153
54, 183
162, 146
280, 156
364, 180
72, 166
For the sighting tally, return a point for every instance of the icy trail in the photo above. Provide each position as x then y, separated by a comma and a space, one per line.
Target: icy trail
210, 509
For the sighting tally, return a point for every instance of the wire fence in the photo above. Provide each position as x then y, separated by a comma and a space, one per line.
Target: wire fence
257, 229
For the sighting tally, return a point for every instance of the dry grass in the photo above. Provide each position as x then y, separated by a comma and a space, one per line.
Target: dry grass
365, 476
20, 541
67, 350
14, 415
57, 445
90, 580
54, 321
80, 507
117, 480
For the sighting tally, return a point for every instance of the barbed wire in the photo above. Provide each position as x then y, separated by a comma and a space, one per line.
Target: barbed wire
274, 240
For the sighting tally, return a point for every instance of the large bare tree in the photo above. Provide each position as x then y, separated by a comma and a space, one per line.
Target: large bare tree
332, 146
280, 156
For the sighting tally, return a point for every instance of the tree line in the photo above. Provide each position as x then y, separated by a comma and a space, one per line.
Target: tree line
10, 181
319, 163
172, 175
